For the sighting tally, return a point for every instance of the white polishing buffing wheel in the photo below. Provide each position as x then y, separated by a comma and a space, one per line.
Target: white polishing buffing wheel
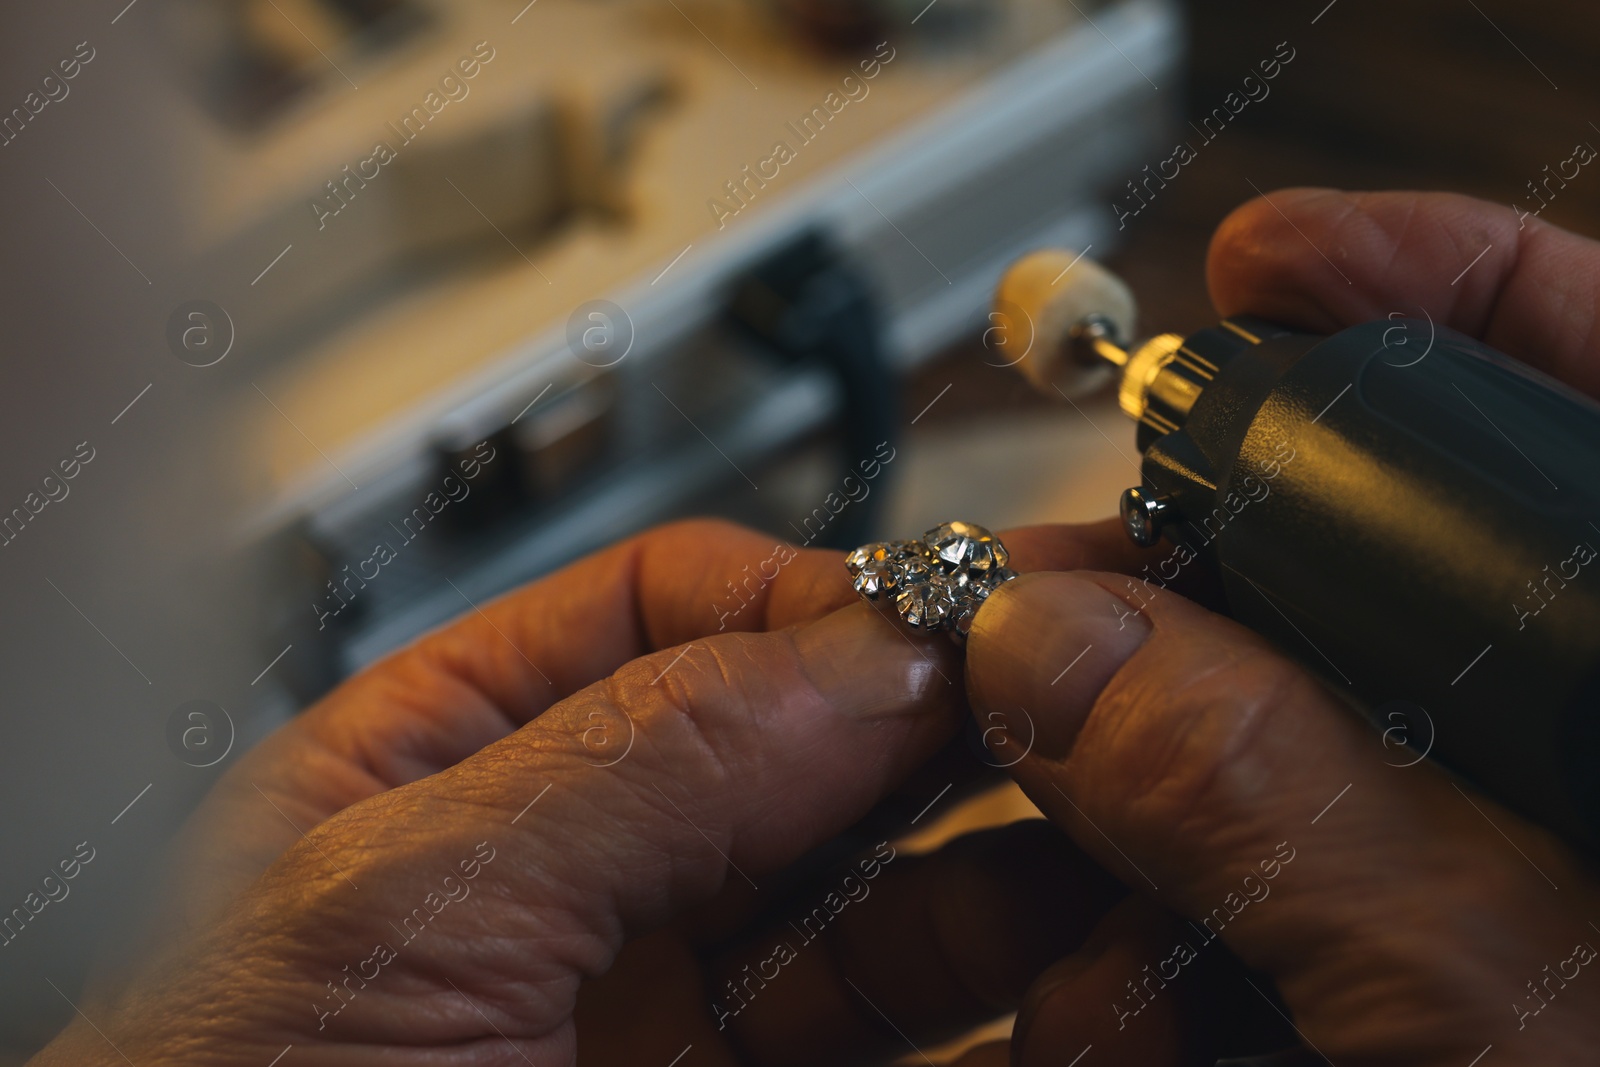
1039, 300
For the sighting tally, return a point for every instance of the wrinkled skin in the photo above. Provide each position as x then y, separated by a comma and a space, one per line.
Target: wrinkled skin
597, 809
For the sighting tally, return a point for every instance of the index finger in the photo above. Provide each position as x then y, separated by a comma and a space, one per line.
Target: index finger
502, 664
1323, 259
681, 583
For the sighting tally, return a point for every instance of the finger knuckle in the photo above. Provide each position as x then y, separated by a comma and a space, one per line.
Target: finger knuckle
693, 530
678, 698
1203, 752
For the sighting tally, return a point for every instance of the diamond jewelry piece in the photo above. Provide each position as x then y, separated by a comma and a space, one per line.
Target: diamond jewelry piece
874, 578
858, 558
927, 605
879, 551
961, 621
966, 546
915, 570
937, 583
910, 549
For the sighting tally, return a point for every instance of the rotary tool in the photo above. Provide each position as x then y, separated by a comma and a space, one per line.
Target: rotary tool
1407, 512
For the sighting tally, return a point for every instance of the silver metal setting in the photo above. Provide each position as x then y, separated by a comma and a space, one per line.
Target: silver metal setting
937, 583
1143, 515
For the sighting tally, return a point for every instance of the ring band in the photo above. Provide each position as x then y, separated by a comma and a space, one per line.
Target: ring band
938, 583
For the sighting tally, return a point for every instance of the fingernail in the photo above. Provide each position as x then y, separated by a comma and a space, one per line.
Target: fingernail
866, 662
1032, 1030
1044, 646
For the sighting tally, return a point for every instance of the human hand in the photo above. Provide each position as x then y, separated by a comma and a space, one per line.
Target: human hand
576, 782
1402, 918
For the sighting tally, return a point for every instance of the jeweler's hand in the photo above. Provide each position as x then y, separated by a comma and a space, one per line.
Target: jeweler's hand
580, 788
1402, 919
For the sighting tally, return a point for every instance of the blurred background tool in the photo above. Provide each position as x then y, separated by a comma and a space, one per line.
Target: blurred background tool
604, 323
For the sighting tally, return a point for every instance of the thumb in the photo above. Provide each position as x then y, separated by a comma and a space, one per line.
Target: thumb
466, 907
1211, 773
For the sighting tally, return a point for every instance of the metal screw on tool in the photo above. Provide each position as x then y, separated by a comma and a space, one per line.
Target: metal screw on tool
1143, 515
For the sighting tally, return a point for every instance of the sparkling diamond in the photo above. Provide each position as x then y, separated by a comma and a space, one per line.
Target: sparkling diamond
969, 598
966, 610
875, 578
966, 547
965, 582
860, 557
928, 605
914, 570
910, 550
936, 583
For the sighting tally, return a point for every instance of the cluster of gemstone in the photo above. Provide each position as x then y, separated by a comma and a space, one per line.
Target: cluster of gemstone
937, 583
